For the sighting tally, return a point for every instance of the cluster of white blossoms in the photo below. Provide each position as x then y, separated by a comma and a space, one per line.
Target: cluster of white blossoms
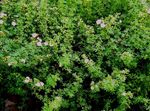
101, 23
39, 43
2, 14
38, 84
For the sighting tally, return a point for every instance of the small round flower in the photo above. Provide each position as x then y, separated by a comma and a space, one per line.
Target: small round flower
40, 40
99, 21
27, 80
9, 64
92, 87
34, 35
86, 60
1, 21
13, 23
39, 44
23, 60
103, 25
45, 43
124, 94
39, 84
2, 15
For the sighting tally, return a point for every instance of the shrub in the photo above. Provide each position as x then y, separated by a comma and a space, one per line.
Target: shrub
87, 55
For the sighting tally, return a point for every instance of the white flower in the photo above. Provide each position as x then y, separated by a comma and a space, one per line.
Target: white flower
124, 94
148, 11
103, 25
13, 23
1, 21
2, 15
40, 40
39, 84
27, 80
86, 60
45, 43
9, 64
23, 60
34, 35
120, 21
39, 44
99, 21
92, 87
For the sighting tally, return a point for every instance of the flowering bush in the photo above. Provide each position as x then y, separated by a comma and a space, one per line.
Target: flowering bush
74, 55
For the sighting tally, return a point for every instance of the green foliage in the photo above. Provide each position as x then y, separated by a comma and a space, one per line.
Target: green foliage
73, 55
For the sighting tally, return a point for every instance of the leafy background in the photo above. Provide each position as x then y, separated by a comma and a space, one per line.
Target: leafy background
84, 67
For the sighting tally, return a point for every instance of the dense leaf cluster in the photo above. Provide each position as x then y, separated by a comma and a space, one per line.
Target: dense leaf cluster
76, 55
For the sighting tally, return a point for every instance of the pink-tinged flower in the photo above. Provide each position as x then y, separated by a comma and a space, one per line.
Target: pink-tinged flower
99, 21
27, 80
39, 84
39, 44
45, 43
13, 23
2, 15
1, 21
103, 25
148, 11
34, 35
